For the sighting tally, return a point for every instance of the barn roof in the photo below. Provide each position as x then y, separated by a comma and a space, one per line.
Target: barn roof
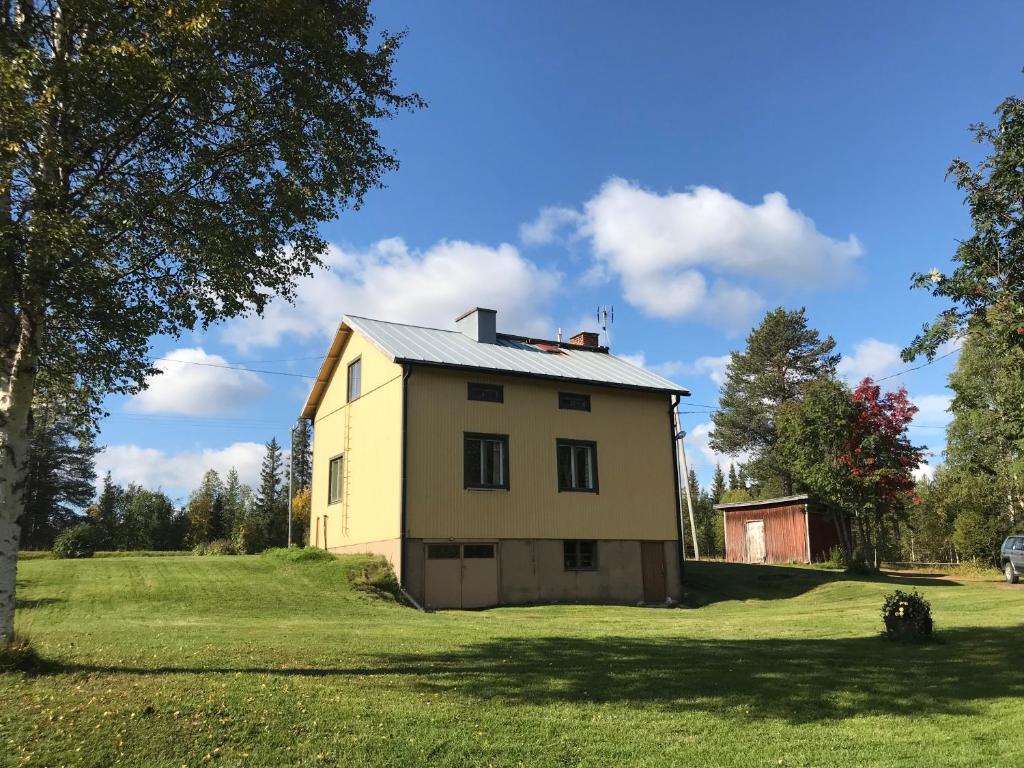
515, 355
764, 502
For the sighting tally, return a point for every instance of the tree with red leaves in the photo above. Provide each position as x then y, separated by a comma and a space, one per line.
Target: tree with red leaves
851, 451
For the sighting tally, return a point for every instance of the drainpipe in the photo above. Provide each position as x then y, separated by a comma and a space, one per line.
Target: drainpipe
680, 436
679, 504
406, 373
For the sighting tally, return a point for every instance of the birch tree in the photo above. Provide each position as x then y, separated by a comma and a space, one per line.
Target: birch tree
164, 165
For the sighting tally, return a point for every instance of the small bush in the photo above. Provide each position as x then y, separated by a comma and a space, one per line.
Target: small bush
76, 541
250, 537
907, 616
376, 577
836, 559
298, 554
216, 547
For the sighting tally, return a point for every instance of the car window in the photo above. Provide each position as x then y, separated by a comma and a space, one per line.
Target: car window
1018, 544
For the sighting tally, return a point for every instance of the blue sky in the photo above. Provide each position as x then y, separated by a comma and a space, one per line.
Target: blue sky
690, 164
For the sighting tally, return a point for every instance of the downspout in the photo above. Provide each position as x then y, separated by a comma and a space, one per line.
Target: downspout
807, 530
407, 371
675, 478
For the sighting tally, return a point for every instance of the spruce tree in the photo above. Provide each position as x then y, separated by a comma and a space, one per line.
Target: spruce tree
106, 513
270, 508
717, 485
61, 478
734, 480
204, 511
782, 355
236, 498
302, 456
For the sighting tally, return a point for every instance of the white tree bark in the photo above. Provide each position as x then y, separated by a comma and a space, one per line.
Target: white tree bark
17, 381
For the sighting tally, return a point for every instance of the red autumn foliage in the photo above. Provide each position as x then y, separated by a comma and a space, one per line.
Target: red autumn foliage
879, 453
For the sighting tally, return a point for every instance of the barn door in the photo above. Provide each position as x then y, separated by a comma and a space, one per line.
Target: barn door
755, 541
652, 557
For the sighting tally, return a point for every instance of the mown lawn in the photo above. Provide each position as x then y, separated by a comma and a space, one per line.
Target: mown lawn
261, 661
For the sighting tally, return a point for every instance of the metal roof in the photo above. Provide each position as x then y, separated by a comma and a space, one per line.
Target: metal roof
763, 502
515, 355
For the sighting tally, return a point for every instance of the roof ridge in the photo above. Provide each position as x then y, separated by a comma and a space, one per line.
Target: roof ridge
407, 325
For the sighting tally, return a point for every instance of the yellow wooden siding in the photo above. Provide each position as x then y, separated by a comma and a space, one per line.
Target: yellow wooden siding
370, 509
635, 471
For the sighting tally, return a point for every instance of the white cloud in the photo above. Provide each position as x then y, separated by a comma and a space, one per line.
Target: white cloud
191, 384
932, 410
924, 471
393, 282
870, 357
681, 254
711, 366
153, 468
699, 437
550, 224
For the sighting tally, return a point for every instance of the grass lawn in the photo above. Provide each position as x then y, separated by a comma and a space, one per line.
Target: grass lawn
265, 661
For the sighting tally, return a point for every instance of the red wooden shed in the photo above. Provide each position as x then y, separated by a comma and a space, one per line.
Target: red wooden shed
785, 530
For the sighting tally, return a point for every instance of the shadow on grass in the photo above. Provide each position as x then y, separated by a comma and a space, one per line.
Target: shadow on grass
712, 582
34, 602
798, 680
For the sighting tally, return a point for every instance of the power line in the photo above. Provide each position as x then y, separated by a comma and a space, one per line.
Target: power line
233, 368
917, 367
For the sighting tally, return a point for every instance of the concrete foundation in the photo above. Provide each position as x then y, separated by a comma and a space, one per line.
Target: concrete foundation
533, 571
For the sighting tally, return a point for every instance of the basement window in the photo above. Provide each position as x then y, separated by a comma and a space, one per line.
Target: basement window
486, 393
334, 480
570, 401
580, 555
577, 465
485, 461
355, 379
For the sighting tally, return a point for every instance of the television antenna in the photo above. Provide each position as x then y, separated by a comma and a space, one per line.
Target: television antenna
605, 318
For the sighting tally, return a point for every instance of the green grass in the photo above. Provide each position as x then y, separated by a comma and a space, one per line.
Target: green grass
276, 660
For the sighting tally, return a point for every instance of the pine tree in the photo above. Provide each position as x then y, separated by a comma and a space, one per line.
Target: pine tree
301, 456
782, 355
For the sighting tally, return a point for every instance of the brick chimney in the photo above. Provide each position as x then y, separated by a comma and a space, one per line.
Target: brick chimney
585, 339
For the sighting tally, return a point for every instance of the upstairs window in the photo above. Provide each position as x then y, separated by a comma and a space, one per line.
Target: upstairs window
486, 461
487, 393
355, 379
334, 480
577, 465
570, 401
580, 555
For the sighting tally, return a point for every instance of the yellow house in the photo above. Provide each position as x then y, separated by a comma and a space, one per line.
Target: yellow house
496, 469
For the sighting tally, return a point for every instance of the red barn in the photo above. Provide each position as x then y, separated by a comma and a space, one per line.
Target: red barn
790, 529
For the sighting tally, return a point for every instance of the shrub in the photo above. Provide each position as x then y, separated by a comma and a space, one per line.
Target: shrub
376, 577
251, 537
79, 540
216, 547
906, 616
298, 554
836, 558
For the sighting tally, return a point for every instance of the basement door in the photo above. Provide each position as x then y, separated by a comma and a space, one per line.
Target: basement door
755, 541
652, 560
461, 576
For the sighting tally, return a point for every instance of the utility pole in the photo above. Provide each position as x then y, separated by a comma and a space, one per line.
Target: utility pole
680, 437
291, 480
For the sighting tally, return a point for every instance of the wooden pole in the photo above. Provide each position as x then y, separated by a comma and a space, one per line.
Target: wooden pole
680, 436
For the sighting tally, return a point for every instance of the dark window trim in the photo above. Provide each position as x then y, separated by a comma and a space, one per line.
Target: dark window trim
504, 461
560, 441
563, 407
348, 380
595, 562
500, 388
341, 495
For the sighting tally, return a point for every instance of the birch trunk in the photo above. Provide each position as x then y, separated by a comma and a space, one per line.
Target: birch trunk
17, 381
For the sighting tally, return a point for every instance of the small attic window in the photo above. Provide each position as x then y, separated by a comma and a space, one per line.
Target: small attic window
551, 349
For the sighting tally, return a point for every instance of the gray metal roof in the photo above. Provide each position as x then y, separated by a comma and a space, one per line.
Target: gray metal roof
763, 502
511, 354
